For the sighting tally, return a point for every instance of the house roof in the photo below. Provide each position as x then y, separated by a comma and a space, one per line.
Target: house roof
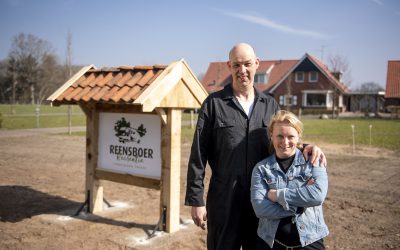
173, 85
393, 80
218, 75
322, 68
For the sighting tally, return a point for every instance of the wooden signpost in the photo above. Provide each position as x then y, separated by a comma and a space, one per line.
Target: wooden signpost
133, 129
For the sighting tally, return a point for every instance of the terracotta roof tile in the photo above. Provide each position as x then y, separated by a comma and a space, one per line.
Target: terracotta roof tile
112, 84
97, 97
342, 87
132, 93
82, 93
124, 79
65, 94
393, 80
121, 92
75, 92
110, 93
115, 77
135, 78
145, 79
91, 93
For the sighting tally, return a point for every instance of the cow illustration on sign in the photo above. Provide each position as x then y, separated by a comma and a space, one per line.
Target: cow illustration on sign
126, 133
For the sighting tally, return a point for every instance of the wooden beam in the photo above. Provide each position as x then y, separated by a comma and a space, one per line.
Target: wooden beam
94, 187
162, 86
70, 81
171, 163
127, 179
163, 115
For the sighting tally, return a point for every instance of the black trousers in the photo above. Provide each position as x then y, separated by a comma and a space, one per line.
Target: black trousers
262, 245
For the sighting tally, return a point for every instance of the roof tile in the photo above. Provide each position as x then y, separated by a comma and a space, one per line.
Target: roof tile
132, 94
393, 79
113, 84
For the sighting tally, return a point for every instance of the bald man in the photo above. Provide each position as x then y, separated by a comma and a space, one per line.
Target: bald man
231, 135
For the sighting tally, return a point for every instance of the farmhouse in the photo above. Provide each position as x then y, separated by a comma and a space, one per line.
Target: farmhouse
305, 84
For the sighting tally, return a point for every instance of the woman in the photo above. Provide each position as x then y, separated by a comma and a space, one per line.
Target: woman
287, 192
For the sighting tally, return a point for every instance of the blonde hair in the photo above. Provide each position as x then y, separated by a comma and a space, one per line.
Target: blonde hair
283, 116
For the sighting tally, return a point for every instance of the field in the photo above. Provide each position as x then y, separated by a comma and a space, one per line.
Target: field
42, 186
382, 133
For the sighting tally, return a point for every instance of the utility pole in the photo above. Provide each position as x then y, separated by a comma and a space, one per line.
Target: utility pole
68, 64
322, 53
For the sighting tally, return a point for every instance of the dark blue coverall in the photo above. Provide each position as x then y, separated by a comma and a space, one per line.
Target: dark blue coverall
232, 143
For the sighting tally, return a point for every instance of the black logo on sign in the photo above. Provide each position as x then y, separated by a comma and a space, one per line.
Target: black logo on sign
125, 133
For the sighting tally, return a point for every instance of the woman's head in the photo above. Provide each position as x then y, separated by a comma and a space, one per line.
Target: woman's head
285, 130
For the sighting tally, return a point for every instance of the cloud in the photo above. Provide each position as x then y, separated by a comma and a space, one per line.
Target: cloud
378, 2
274, 25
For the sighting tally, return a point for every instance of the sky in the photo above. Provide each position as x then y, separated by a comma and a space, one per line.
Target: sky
136, 32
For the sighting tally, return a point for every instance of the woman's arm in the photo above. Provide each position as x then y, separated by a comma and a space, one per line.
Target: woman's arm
263, 207
308, 195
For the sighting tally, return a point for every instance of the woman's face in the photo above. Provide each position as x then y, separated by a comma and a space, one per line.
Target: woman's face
285, 139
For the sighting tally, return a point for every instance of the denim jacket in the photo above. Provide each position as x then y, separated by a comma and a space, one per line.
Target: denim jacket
292, 192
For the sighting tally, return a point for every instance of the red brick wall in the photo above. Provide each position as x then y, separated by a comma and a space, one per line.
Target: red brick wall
296, 87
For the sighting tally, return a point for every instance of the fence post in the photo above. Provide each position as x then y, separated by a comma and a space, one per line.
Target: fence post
354, 139
69, 120
370, 134
37, 112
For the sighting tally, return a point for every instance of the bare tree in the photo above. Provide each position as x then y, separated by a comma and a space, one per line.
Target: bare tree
340, 64
370, 87
28, 58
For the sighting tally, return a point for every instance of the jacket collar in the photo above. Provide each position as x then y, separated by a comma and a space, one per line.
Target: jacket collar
298, 160
227, 93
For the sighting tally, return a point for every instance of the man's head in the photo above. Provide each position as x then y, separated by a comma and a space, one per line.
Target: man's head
243, 64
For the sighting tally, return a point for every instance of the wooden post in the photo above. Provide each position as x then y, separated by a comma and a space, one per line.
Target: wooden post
93, 185
171, 162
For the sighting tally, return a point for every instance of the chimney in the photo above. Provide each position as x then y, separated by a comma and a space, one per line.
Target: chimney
338, 75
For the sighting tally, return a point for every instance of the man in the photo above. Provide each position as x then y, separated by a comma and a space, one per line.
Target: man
231, 134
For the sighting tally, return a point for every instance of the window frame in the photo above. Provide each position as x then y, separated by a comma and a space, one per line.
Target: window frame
310, 74
288, 100
258, 75
297, 74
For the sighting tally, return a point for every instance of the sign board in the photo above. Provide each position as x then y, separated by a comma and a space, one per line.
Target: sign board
130, 143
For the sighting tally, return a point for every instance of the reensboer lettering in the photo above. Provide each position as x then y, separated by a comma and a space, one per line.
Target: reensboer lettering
131, 151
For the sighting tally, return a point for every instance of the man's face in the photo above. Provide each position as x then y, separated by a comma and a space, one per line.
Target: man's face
243, 65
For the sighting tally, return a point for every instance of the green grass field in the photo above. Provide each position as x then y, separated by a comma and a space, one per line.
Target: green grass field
385, 133
25, 116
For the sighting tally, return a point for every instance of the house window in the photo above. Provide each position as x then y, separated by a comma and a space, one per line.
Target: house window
288, 100
313, 76
299, 76
260, 78
317, 99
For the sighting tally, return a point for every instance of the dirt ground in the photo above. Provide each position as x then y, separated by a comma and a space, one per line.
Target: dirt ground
42, 182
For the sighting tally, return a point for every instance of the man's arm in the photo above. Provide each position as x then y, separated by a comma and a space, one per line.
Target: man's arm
199, 216
196, 169
198, 160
